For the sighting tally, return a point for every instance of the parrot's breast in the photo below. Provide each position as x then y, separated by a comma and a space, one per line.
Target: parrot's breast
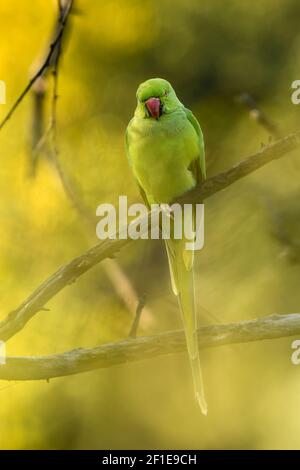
161, 152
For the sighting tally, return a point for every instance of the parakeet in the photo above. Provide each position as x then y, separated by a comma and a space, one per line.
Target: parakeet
165, 149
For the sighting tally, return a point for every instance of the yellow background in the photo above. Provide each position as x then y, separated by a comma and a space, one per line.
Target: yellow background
211, 51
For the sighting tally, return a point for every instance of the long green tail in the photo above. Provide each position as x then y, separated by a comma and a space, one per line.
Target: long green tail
182, 277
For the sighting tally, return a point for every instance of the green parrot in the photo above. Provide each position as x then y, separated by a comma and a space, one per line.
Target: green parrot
165, 149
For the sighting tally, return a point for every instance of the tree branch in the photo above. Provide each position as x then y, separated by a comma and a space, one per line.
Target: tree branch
259, 115
133, 350
267, 154
69, 273
55, 45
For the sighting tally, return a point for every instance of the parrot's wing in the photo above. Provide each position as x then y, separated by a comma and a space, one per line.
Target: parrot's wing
198, 165
142, 192
127, 144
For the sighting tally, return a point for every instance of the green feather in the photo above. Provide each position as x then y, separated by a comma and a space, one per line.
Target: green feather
198, 130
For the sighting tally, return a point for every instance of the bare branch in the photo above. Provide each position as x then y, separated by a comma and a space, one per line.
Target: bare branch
125, 291
133, 350
259, 115
39, 135
138, 313
37, 125
69, 273
66, 275
47, 62
267, 154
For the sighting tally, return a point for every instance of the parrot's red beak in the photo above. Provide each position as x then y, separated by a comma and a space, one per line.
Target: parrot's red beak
153, 106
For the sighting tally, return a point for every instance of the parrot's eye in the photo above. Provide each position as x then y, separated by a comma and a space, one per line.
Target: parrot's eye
166, 92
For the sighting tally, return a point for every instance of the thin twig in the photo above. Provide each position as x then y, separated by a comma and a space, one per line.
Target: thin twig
259, 115
266, 154
125, 290
37, 126
44, 66
136, 321
69, 273
39, 135
133, 350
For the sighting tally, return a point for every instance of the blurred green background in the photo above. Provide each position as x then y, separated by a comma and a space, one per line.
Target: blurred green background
211, 51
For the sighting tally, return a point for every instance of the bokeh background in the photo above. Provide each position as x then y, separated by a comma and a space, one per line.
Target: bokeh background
211, 51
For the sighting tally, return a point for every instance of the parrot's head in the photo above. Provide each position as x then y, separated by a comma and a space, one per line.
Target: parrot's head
156, 97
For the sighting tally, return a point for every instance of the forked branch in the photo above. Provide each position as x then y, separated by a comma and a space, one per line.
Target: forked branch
69, 273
